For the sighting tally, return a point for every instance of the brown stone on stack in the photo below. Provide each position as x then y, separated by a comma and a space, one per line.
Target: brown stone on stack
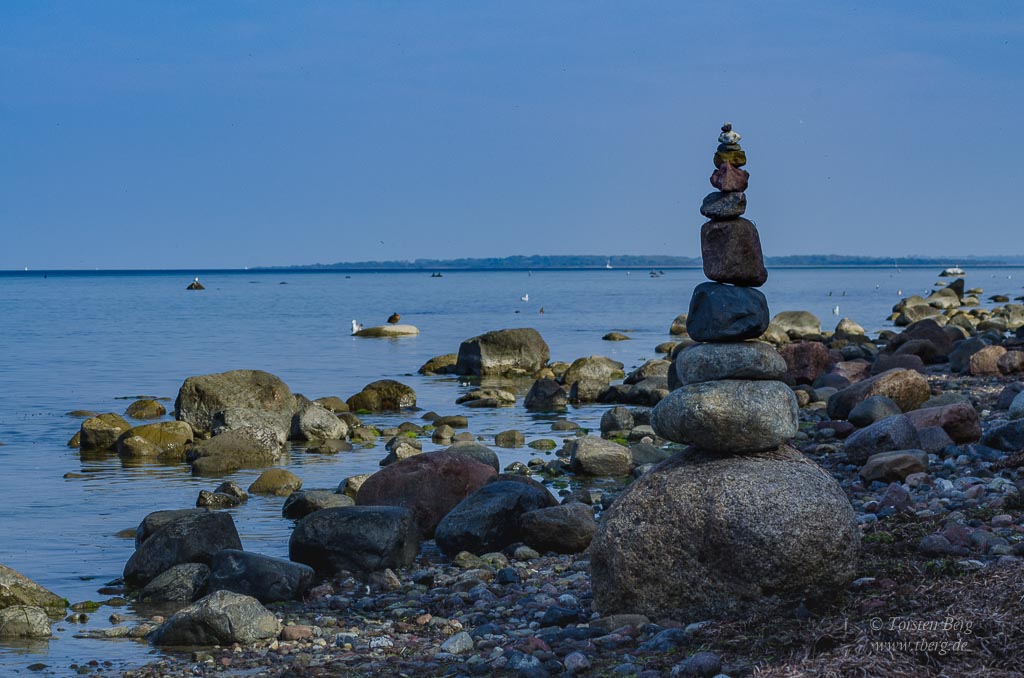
729, 178
732, 253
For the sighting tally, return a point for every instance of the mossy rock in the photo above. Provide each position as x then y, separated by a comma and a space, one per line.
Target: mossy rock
277, 481
735, 158
100, 433
543, 444
146, 409
17, 589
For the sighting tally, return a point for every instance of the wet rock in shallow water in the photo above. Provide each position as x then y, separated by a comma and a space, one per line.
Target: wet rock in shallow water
249, 418
167, 439
359, 539
221, 618
721, 205
332, 404
510, 439
191, 537
146, 408
725, 313
891, 433
599, 457
429, 485
303, 502
703, 535
201, 397
23, 621
267, 579
566, 528
488, 519
314, 422
216, 500
487, 397
907, 388
234, 449
442, 364
731, 253
180, 584
894, 466
511, 351
279, 481
546, 395
158, 520
100, 433
17, 589
476, 451
617, 419
728, 415
744, 360
384, 395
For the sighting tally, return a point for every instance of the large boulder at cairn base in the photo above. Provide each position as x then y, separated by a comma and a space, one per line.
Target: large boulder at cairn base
267, 579
359, 539
201, 397
190, 538
731, 415
704, 535
743, 360
515, 351
385, 395
907, 388
221, 618
429, 485
726, 313
489, 519
17, 589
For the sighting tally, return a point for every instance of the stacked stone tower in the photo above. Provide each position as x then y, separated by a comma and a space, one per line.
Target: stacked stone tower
733, 399
739, 520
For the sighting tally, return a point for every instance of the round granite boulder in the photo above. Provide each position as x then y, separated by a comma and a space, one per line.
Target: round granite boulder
704, 535
730, 415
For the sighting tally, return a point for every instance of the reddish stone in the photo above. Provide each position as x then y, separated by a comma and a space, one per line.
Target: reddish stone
805, 361
429, 485
853, 370
1011, 362
729, 178
985, 362
731, 251
960, 421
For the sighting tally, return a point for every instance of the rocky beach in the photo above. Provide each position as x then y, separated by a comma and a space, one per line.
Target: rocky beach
760, 495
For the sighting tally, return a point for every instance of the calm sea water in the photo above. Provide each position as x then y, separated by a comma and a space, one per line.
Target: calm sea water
88, 340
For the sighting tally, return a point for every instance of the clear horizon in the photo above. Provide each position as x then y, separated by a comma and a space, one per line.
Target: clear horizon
166, 136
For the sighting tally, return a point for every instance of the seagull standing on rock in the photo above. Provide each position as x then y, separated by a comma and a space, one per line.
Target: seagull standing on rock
356, 327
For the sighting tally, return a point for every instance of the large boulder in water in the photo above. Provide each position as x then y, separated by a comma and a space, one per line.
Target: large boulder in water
267, 579
166, 440
192, 537
314, 422
23, 621
489, 519
235, 418
234, 449
907, 388
384, 395
358, 539
201, 397
704, 535
546, 395
17, 589
100, 433
797, 324
429, 485
221, 618
731, 415
512, 351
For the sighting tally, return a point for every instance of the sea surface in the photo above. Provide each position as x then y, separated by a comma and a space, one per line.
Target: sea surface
94, 340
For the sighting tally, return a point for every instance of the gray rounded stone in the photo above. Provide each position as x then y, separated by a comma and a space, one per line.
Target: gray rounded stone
726, 313
720, 205
728, 415
703, 536
744, 360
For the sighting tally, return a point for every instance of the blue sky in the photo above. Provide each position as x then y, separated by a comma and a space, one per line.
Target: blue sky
228, 134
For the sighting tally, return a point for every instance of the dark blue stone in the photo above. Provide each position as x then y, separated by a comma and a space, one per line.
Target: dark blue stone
726, 313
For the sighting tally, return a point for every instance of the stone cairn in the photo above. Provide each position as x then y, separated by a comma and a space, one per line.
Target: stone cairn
740, 519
